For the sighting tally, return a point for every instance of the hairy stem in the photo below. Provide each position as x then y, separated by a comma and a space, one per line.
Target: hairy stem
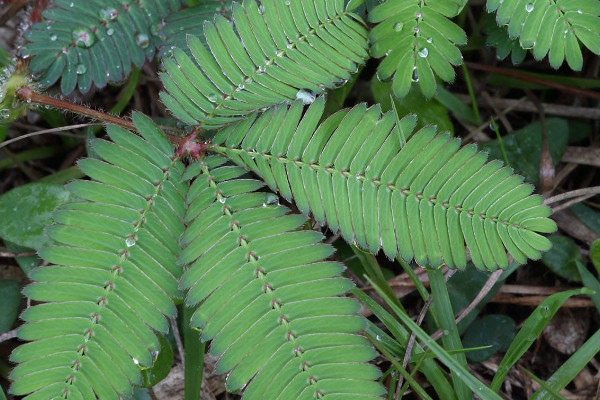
28, 95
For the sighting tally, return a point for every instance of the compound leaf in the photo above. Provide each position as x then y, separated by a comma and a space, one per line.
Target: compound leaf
421, 201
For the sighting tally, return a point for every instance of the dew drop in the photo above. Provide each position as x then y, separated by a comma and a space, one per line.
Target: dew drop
72, 4
307, 96
241, 86
53, 37
110, 31
446, 332
398, 27
287, 2
546, 312
280, 53
529, 7
415, 75
271, 200
378, 338
213, 98
108, 14
222, 199
135, 361
142, 40
424, 52
81, 69
261, 10
130, 242
429, 40
579, 12
83, 37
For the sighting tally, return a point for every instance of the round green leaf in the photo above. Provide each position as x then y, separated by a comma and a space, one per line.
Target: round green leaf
496, 331
10, 293
562, 257
162, 365
26, 210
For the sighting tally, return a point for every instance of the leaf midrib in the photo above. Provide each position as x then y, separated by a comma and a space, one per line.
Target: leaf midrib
404, 191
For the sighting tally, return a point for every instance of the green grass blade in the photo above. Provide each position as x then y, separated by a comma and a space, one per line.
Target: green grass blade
473, 383
532, 328
445, 320
435, 376
570, 368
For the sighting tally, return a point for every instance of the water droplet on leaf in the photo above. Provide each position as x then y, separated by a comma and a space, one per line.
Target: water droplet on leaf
83, 37
108, 14
415, 75
142, 40
529, 7
81, 69
130, 242
398, 27
424, 52
307, 96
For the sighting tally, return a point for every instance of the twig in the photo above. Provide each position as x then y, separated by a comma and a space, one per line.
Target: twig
28, 95
591, 191
178, 340
571, 202
489, 284
533, 79
9, 254
483, 126
522, 105
45, 131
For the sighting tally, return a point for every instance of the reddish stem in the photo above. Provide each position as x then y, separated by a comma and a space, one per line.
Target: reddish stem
29, 96
533, 79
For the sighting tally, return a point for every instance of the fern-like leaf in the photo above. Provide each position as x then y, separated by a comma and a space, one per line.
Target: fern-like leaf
114, 275
87, 42
268, 301
288, 50
552, 27
497, 36
424, 200
190, 21
418, 41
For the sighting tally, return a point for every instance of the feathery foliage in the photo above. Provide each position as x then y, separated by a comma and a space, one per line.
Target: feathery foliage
148, 232
115, 273
285, 50
190, 21
268, 301
552, 27
85, 42
418, 41
422, 200
497, 36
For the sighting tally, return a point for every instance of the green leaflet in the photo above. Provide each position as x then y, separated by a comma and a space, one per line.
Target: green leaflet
94, 41
190, 21
418, 41
288, 50
114, 273
266, 298
424, 201
552, 28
